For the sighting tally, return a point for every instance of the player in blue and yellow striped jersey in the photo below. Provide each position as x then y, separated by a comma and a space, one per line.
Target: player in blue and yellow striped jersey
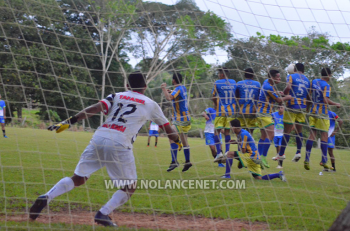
247, 94
267, 99
224, 98
298, 86
181, 120
247, 155
319, 120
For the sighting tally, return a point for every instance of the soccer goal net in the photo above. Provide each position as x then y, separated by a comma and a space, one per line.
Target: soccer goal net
58, 57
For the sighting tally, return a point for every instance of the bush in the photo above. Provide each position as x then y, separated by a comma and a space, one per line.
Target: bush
50, 114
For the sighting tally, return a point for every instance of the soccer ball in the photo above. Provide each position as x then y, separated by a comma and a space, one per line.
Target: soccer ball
290, 68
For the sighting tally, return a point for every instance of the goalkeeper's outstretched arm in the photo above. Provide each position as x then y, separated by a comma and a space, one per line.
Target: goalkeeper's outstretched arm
86, 113
90, 111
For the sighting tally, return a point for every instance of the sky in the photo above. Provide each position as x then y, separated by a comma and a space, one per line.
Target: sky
284, 17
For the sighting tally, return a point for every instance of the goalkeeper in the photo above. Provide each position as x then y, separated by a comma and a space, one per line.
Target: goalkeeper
248, 155
111, 146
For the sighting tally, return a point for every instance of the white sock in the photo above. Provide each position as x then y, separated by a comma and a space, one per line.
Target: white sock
64, 185
118, 199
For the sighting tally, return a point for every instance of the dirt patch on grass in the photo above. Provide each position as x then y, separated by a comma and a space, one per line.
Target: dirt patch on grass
147, 221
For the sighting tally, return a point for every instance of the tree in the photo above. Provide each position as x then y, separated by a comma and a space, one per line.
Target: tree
167, 33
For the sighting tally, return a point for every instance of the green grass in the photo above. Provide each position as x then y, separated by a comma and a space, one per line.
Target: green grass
33, 160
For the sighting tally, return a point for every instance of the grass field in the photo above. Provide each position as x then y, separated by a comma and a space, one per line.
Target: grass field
33, 160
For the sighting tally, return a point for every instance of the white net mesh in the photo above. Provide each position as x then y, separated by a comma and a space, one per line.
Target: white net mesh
60, 56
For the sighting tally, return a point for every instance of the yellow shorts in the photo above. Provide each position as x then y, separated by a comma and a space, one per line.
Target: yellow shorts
292, 117
248, 122
319, 123
222, 122
183, 129
265, 121
247, 162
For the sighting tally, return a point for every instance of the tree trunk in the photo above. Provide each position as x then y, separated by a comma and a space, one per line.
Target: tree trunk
103, 93
343, 221
19, 112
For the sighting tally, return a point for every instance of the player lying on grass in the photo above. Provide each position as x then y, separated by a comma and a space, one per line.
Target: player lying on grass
333, 117
111, 145
320, 92
247, 155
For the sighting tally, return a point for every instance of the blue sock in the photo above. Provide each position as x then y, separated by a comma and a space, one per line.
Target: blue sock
229, 162
299, 140
173, 151
227, 139
266, 146
187, 153
324, 148
308, 148
285, 140
260, 146
217, 144
271, 176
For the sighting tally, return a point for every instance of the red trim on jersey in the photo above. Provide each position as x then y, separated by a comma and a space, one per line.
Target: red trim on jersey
106, 107
137, 92
336, 117
162, 126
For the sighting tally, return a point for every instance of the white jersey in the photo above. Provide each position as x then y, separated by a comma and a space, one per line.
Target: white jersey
154, 126
127, 113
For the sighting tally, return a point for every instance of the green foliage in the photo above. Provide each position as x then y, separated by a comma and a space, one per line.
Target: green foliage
50, 115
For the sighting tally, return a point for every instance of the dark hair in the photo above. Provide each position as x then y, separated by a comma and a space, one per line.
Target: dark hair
177, 77
223, 69
249, 73
235, 123
136, 81
299, 67
273, 73
326, 71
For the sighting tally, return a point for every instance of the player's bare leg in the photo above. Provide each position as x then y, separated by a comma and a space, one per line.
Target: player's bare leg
280, 162
64, 185
331, 155
119, 198
186, 147
149, 140
213, 150
155, 144
3, 130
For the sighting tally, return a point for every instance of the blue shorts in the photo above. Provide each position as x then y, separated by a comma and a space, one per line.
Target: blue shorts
331, 142
2, 120
277, 140
153, 133
209, 139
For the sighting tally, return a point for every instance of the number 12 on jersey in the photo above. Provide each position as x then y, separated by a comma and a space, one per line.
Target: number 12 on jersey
120, 106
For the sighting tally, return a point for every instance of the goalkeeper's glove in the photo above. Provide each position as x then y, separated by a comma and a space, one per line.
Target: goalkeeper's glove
60, 127
259, 162
178, 142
